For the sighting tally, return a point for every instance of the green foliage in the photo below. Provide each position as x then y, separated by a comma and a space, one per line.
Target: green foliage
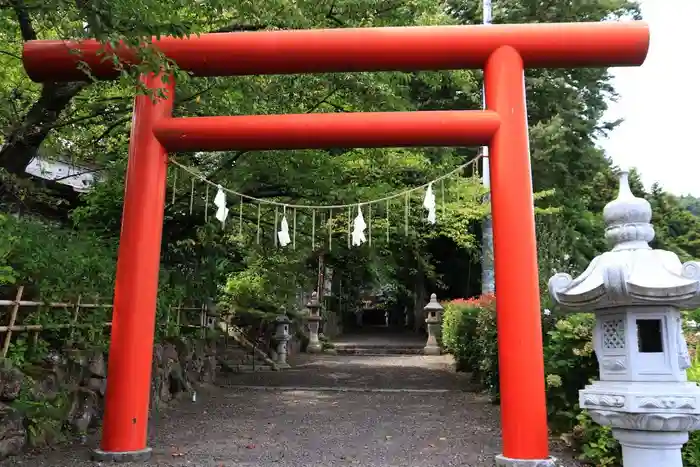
7, 273
57, 263
44, 416
458, 329
691, 450
487, 340
677, 228
597, 445
469, 334
570, 364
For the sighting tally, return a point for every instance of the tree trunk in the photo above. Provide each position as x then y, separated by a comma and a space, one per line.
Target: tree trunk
23, 143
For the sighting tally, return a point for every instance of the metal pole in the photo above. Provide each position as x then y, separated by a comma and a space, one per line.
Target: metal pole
488, 283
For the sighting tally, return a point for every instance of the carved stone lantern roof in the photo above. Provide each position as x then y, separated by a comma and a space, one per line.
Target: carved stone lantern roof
433, 304
631, 273
282, 318
313, 301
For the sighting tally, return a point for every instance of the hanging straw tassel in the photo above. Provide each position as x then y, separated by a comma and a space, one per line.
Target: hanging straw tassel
405, 229
283, 234
220, 202
388, 202
359, 226
206, 205
257, 235
313, 229
192, 196
369, 224
442, 194
330, 230
349, 226
294, 231
240, 217
429, 203
174, 184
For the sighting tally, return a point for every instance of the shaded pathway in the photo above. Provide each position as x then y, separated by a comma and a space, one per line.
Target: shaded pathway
350, 413
349, 372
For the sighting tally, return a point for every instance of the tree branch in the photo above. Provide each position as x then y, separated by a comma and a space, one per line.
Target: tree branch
331, 16
110, 128
10, 54
96, 114
236, 27
25, 22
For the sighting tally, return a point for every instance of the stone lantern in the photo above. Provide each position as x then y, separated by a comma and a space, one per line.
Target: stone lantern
433, 311
211, 314
637, 293
282, 336
314, 319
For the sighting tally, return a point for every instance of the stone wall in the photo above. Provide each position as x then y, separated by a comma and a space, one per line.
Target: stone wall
62, 396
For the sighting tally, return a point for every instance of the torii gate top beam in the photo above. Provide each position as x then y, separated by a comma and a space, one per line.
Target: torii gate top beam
565, 45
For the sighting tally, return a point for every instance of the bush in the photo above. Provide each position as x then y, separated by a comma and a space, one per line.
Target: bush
487, 340
596, 443
469, 334
458, 331
570, 364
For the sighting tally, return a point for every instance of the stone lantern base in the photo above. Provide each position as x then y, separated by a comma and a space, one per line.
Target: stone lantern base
314, 345
431, 346
651, 420
651, 448
431, 350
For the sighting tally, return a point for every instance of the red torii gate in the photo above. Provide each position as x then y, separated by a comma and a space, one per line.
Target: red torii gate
503, 51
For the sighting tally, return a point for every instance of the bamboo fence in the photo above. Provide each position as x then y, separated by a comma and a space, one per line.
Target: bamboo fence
17, 304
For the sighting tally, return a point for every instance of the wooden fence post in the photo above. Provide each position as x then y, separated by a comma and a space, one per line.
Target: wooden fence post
178, 317
75, 319
13, 318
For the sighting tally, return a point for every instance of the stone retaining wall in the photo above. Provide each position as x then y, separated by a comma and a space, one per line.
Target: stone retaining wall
62, 396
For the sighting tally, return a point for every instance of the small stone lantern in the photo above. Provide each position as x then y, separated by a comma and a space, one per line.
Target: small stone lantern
314, 319
210, 313
636, 293
433, 318
282, 337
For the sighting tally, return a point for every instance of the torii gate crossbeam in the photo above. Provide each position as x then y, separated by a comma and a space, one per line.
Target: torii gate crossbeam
503, 51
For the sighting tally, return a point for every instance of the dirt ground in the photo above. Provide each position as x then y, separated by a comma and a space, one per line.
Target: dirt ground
362, 411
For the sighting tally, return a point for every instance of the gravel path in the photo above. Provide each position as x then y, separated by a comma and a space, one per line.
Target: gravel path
337, 418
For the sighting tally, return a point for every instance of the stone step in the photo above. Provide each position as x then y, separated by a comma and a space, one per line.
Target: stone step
228, 367
377, 350
236, 359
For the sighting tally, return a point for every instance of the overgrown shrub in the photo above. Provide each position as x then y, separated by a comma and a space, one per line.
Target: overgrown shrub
487, 340
469, 334
58, 264
458, 331
596, 443
570, 364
